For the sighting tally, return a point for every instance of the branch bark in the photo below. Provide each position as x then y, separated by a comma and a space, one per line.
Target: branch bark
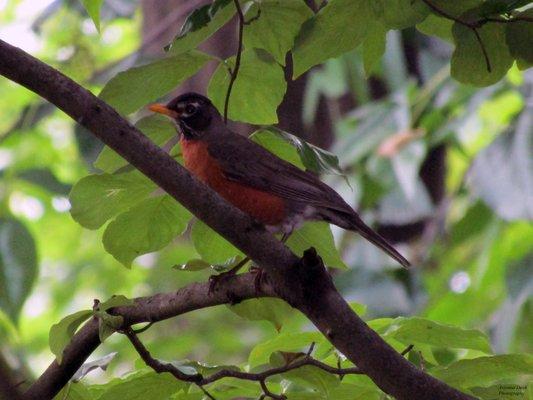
146, 309
304, 283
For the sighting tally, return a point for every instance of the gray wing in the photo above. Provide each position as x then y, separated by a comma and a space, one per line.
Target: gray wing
248, 163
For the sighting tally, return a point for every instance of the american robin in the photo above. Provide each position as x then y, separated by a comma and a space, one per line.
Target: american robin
271, 190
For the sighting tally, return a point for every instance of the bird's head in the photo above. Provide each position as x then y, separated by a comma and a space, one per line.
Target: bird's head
194, 114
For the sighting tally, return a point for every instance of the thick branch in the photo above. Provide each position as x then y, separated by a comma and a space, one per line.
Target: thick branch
146, 309
304, 285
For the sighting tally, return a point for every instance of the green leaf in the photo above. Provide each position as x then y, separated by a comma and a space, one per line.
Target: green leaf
193, 265
108, 324
319, 236
93, 9
156, 127
144, 386
74, 391
61, 333
317, 378
273, 310
115, 301
149, 226
286, 342
484, 371
437, 26
212, 247
134, 88
201, 24
97, 198
456, 8
502, 173
374, 47
419, 330
338, 27
401, 14
18, 265
468, 62
277, 144
276, 27
257, 91
519, 36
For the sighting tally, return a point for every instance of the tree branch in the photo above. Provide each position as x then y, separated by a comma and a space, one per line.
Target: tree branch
260, 377
303, 283
145, 309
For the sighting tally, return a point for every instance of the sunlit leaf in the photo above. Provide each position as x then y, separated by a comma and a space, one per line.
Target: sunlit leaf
98, 198
338, 27
93, 9
274, 24
143, 386
319, 236
419, 330
136, 87
212, 247
257, 91
283, 342
62, 332
483, 371
275, 311
149, 226
201, 24
156, 127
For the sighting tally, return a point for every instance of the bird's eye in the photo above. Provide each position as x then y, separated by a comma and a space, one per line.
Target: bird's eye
190, 109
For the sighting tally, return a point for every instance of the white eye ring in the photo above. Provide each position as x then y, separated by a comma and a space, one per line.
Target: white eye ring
190, 109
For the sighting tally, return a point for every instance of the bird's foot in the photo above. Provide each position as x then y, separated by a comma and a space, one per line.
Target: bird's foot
214, 280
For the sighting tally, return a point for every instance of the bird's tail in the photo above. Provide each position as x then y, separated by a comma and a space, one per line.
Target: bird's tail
353, 222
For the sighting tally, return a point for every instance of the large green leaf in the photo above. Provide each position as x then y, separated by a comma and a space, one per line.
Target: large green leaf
277, 144
134, 88
149, 226
212, 247
338, 27
273, 310
309, 375
156, 127
61, 333
144, 386
401, 14
374, 47
93, 9
502, 174
519, 36
97, 198
277, 25
483, 371
18, 265
420, 330
201, 24
468, 62
257, 91
286, 342
319, 236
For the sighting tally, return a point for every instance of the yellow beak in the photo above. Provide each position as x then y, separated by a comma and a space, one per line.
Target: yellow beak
162, 109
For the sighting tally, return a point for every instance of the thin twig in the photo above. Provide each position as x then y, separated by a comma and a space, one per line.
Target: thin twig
475, 25
235, 70
407, 350
483, 49
260, 377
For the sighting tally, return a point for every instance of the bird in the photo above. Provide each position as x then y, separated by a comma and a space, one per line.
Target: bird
271, 190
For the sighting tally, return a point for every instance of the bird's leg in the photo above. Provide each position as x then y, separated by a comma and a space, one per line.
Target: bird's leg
215, 279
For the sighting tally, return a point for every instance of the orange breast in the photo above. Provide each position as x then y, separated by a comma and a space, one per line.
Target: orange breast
263, 206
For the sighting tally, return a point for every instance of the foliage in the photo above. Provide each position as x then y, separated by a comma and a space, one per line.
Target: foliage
469, 295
